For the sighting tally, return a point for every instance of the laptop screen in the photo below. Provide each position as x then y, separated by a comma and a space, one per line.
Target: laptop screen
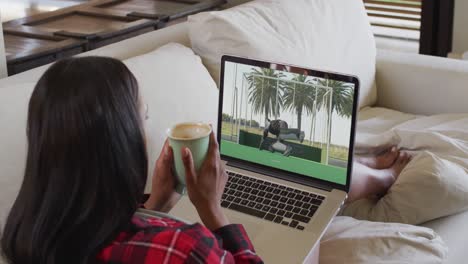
288, 118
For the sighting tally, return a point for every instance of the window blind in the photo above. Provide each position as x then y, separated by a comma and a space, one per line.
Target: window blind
395, 18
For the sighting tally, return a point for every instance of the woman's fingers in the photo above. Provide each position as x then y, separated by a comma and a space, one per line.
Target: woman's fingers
169, 155
205, 189
167, 150
166, 157
213, 143
213, 151
190, 174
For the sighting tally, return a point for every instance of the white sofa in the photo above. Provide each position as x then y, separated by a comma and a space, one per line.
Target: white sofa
408, 83
3, 66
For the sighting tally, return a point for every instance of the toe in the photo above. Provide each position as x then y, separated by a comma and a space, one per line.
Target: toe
401, 158
391, 153
405, 158
394, 153
408, 158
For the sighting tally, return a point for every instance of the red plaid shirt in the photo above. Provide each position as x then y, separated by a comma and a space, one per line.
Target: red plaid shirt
164, 240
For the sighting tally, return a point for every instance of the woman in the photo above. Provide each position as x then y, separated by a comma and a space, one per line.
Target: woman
86, 172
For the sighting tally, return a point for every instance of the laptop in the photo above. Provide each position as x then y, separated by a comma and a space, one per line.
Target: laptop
286, 134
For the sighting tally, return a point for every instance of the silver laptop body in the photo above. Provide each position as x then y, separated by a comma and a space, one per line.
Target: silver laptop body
286, 134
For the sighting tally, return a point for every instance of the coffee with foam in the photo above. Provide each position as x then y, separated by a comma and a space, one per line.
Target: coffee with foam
189, 131
194, 136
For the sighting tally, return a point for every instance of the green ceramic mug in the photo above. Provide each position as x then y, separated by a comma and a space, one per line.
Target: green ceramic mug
194, 136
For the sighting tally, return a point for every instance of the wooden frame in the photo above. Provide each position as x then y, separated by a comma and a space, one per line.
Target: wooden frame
72, 30
58, 48
435, 17
47, 44
60, 44
193, 6
437, 27
37, 25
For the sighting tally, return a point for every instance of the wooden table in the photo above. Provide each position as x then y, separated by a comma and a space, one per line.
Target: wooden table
14, 9
40, 39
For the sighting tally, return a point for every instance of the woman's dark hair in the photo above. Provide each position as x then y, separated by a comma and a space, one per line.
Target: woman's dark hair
86, 164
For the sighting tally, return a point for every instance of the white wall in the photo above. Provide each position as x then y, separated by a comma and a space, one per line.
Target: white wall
460, 27
3, 67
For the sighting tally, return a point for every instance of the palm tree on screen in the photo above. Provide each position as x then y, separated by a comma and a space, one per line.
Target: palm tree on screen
299, 96
341, 99
265, 91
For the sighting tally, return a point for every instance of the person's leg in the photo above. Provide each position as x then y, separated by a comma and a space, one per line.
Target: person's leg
367, 182
382, 160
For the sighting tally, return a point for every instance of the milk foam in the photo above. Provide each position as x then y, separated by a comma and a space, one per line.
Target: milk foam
189, 131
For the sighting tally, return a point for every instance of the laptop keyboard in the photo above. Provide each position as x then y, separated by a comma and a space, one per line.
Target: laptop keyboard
273, 202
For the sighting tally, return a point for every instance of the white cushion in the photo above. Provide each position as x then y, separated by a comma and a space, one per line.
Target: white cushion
453, 230
331, 35
435, 183
173, 82
14, 101
372, 124
421, 84
177, 88
429, 187
351, 241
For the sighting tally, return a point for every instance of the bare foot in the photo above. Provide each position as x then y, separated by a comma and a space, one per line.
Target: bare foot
369, 182
400, 163
388, 176
381, 161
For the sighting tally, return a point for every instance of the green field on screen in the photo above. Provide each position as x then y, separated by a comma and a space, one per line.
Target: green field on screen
292, 164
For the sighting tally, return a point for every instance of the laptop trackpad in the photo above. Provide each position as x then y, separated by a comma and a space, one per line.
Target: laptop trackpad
251, 224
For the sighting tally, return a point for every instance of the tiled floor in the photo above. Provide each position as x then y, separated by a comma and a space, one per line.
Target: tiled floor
13, 9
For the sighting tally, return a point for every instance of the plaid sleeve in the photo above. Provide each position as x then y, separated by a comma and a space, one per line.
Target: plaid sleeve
234, 247
162, 240
234, 238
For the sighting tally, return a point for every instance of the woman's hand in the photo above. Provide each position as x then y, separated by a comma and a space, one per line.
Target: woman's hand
163, 195
206, 187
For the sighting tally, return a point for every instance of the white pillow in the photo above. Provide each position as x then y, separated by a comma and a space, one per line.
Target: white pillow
173, 82
435, 183
177, 88
351, 241
331, 35
14, 100
431, 186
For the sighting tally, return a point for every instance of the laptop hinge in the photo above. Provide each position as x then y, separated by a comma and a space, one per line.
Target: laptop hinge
282, 176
